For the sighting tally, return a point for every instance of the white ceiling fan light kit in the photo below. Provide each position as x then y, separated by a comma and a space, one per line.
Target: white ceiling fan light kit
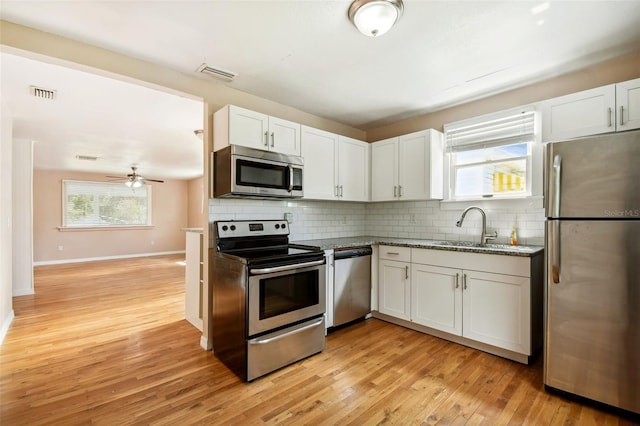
374, 18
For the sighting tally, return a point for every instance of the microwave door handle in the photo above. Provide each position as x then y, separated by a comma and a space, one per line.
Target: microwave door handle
290, 178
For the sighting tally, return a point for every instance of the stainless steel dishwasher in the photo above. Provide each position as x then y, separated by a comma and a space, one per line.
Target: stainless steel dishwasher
352, 284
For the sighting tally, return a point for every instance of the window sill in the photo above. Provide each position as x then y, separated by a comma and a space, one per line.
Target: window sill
531, 202
103, 228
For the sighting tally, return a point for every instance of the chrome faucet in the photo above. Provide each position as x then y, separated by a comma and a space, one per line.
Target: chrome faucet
484, 237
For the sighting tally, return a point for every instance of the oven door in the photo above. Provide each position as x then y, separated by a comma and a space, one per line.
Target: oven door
283, 295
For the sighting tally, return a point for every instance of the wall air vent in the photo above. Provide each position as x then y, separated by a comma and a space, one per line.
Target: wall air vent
217, 72
41, 92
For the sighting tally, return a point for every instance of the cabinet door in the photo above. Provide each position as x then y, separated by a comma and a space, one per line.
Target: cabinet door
589, 112
496, 310
353, 169
319, 153
436, 298
394, 288
384, 170
284, 136
248, 128
414, 171
628, 105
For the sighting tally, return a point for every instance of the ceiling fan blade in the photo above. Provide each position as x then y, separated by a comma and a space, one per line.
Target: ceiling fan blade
117, 177
154, 180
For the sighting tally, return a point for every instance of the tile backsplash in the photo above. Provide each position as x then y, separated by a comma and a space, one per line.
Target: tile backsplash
402, 219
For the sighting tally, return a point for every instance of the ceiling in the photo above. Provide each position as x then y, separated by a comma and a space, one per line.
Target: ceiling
306, 54
120, 123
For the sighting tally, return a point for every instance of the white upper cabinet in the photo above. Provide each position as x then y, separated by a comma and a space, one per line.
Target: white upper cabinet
384, 170
628, 105
238, 126
319, 151
335, 167
605, 109
353, 169
409, 167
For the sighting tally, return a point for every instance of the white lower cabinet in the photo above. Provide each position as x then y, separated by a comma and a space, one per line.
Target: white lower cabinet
395, 288
436, 299
475, 299
394, 281
496, 309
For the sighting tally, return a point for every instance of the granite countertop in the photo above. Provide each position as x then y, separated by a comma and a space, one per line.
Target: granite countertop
464, 246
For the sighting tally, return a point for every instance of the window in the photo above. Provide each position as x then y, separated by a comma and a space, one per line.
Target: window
491, 157
102, 204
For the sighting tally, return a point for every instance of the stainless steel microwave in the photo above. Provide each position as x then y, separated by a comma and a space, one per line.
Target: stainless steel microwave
239, 171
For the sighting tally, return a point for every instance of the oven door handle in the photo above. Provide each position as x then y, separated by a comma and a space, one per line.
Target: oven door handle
286, 267
281, 336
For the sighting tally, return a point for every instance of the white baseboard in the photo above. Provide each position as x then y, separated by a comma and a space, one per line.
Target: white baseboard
5, 326
93, 259
204, 344
22, 292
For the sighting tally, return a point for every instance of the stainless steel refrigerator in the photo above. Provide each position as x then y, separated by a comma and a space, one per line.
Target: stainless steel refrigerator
592, 201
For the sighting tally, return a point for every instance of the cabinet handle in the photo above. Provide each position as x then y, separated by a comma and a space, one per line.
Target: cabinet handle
406, 272
341, 190
266, 138
457, 280
395, 191
464, 281
399, 191
621, 115
272, 140
393, 253
337, 192
610, 123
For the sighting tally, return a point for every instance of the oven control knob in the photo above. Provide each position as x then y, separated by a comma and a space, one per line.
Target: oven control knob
284, 226
277, 226
233, 227
225, 227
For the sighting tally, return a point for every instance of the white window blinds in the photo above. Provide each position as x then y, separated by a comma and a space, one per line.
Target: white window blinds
509, 129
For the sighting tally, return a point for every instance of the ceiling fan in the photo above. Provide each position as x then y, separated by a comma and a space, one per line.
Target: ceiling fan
134, 180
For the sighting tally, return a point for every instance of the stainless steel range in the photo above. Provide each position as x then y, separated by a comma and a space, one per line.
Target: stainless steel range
268, 297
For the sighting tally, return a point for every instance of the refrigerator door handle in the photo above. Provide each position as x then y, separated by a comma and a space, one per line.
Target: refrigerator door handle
557, 167
555, 252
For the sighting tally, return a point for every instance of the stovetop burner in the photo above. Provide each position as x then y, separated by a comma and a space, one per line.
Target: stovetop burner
262, 242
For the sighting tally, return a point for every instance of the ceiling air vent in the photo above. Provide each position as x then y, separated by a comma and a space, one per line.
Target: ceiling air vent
86, 157
217, 72
41, 92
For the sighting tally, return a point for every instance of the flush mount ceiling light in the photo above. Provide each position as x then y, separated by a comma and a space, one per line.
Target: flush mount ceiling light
375, 17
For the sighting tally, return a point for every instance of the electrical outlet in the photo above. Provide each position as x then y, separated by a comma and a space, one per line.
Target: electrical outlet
153, 242
344, 220
60, 248
412, 218
288, 217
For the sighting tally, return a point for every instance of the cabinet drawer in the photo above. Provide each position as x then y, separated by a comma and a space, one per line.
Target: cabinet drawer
402, 254
499, 264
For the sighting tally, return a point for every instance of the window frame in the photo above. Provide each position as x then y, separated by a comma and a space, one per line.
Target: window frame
533, 157
65, 223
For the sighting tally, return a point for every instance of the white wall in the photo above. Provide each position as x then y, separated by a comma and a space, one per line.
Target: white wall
22, 217
6, 305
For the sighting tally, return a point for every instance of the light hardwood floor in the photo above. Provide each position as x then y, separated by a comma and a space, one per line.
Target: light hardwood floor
106, 343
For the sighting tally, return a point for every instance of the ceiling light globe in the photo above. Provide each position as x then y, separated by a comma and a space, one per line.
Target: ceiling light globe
136, 184
374, 18
128, 183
